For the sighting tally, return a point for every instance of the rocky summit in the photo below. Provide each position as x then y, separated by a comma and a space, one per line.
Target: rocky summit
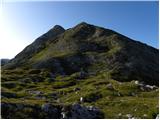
81, 72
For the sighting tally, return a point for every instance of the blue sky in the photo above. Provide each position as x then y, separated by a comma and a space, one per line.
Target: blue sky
23, 22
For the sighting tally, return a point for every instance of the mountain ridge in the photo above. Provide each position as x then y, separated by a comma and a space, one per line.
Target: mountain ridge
84, 38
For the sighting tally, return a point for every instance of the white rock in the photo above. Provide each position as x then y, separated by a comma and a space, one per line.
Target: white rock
63, 115
157, 117
92, 108
133, 94
120, 114
141, 88
118, 94
133, 118
145, 115
81, 99
129, 116
110, 86
149, 86
120, 83
141, 84
136, 82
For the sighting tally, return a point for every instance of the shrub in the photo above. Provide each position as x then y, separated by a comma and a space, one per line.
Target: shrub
9, 84
63, 84
92, 97
34, 71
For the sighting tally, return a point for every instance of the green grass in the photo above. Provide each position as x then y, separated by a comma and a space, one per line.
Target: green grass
93, 89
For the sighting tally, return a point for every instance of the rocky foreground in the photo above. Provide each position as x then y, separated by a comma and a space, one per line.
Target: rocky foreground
37, 94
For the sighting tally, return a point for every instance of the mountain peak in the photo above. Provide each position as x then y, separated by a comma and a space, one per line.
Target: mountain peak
84, 27
56, 30
58, 27
82, 24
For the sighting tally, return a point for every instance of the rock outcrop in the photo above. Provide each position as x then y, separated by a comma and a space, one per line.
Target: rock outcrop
47, 110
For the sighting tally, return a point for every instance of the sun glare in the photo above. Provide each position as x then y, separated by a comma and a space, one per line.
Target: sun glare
11, 43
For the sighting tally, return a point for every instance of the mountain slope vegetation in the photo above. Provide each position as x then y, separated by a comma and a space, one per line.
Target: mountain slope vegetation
86, 70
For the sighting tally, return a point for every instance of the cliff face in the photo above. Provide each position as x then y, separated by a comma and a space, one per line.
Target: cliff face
92, 49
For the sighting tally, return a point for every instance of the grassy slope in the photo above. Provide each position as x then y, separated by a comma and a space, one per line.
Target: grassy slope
124, 98
93, 89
